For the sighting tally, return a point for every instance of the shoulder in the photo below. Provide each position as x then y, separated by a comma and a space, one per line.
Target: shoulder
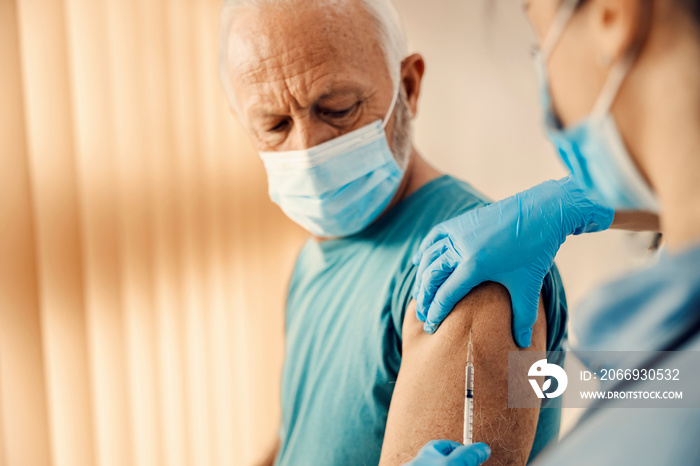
411, 220
438, 201
487, 307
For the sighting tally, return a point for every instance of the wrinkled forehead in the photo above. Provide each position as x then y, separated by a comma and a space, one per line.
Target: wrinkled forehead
302, 49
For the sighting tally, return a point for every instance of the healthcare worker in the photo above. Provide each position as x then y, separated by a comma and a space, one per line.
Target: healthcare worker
620, 87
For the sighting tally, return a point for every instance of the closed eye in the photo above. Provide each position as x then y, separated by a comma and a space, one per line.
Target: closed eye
279, 127
338, 114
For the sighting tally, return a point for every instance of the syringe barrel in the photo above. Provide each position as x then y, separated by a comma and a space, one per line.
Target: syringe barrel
470, 377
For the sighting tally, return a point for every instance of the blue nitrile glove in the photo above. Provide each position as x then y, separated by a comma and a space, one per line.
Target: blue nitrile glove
512, 242
449, 453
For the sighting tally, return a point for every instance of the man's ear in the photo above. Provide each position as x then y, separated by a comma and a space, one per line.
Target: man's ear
619, 26
412, 69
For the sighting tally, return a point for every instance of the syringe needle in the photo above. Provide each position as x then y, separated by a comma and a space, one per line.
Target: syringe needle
470, 349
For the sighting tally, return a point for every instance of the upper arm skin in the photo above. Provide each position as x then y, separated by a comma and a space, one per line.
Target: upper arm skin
636, 221
428, 400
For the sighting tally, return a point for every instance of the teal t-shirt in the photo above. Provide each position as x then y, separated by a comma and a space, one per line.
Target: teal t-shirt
345, 311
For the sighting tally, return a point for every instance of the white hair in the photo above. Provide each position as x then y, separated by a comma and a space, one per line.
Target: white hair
382, 12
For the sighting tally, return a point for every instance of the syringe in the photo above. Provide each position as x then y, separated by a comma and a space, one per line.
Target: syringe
469, 394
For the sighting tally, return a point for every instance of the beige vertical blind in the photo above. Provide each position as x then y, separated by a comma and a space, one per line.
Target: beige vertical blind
143, 269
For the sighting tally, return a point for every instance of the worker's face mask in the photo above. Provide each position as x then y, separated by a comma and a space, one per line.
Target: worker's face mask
593, 149
339, 187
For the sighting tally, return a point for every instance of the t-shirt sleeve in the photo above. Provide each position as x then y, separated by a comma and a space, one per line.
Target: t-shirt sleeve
556, 309
402, 297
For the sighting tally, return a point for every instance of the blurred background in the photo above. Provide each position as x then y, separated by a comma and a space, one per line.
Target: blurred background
143, 269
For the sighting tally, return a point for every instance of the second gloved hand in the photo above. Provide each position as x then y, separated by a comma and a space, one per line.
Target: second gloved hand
449, 453
512, 242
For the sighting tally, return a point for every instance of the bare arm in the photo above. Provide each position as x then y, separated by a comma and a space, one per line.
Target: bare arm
636, 221
428, 400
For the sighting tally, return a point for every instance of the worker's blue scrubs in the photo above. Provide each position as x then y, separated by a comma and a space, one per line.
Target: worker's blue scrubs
647, 311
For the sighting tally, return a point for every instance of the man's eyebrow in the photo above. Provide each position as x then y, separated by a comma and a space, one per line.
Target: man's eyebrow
265, 112
340, 91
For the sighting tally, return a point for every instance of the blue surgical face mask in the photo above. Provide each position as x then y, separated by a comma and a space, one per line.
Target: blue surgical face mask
339, 187
593, 149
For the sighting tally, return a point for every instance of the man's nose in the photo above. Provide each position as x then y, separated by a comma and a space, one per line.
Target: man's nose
309, 133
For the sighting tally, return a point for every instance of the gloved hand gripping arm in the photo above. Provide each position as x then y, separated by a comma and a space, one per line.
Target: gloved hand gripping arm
512, 242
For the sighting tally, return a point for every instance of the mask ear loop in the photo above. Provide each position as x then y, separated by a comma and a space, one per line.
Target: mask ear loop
566, 11
391, 107
617, 76
618, 73
635, 180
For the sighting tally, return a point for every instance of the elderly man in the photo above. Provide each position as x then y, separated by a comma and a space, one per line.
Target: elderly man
327, 94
